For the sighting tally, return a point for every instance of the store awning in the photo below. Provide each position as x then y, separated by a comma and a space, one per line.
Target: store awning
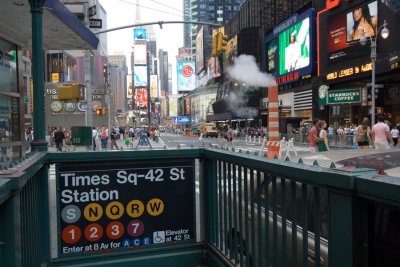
62, 30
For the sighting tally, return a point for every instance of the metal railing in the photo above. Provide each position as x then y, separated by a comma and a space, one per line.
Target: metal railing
250, 211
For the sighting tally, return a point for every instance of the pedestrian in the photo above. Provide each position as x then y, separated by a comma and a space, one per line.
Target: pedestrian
28, 139
395, 135
363, 137
203, 131
331, 133
94, 134
97, 139
229, 137
114, 138
58, 138
322, 143
381, 134
312, 137
66, 140
156, 135
104, 137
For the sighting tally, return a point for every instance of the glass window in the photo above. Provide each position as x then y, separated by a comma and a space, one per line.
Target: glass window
9, 119
8, 67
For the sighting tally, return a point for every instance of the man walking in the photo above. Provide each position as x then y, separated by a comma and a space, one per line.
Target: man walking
59, 138
381, 134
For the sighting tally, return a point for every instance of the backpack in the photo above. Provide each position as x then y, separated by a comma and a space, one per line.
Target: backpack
104, 134
362, 134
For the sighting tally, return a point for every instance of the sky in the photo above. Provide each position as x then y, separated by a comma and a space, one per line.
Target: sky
122, 13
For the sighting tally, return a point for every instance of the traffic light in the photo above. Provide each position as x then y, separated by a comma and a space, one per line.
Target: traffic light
222, 41
214, 45
68, 92
99, 112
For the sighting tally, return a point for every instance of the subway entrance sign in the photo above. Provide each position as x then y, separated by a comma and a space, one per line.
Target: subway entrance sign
344, 96
108, 207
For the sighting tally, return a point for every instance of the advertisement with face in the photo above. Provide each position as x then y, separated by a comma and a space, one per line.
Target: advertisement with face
290, 48
140, 76
345, 29
362, 22
230, 53
141, 97
186, 77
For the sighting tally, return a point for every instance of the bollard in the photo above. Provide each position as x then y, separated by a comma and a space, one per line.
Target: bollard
259, 139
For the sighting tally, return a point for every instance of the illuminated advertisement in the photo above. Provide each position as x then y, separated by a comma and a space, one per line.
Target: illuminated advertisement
129, 92
139, 34
199, 51
230, 53
140, 76
173, 107
290, 48
213, 68
345, 31
186, 76
141, 98
153, 86
139, 54
362, 22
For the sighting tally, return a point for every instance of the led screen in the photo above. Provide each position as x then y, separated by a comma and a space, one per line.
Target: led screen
139, 34
362, 22
294, 47
141, 97
140, 76
139, 54
186, 76
290, 48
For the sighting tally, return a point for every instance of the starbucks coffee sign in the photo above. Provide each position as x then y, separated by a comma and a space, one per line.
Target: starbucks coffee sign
344, 96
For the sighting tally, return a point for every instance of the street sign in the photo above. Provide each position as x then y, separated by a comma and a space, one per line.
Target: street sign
95, 23
104, 207
344, 96
376, 85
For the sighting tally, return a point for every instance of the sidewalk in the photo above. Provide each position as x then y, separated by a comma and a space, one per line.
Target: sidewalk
120, 143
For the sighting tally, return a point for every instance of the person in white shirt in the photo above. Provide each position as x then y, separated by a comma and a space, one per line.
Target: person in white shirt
292, 54
395, 135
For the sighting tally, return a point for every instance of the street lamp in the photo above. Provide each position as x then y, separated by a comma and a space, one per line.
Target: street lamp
363, 41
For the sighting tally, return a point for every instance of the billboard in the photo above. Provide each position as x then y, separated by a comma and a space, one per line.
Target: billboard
199, 50
230, 53
173, 107
290, 48
362, 22
141, 98
129, 91
153, 86
213, 68
345, 30
140, 76
139, 54
186, 77
139, 34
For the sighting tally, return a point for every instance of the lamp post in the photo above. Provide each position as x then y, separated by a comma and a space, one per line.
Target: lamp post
363, 40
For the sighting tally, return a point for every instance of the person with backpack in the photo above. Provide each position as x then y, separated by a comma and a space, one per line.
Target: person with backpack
104, 137
363, 137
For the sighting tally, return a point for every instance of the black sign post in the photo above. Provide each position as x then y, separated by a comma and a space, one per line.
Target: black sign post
108, 207
95, 23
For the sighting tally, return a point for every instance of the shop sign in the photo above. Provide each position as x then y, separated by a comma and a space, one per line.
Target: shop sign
124, 206
349, 71
344, 96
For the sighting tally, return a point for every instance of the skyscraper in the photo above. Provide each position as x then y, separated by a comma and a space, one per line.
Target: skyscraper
216, 11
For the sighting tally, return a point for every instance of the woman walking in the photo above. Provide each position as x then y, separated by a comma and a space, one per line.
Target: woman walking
323, 136
363, 137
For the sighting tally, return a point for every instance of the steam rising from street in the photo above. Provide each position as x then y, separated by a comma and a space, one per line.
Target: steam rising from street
246, 72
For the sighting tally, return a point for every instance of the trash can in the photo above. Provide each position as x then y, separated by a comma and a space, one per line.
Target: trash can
81, 135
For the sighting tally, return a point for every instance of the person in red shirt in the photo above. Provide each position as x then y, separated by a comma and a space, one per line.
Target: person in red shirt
313, 137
